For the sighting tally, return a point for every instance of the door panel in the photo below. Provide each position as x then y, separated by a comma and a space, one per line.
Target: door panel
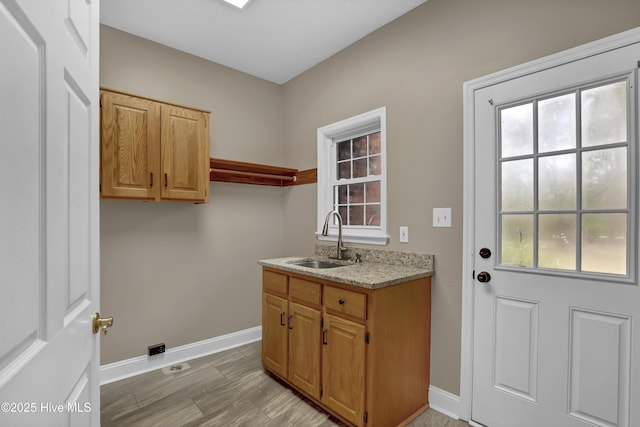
49, 257
343, 358
183, 147
304, 349
516, 347
130, 160
553, 327
599, 365
274, 333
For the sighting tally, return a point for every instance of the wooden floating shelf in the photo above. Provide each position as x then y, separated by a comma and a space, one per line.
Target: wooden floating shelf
253, 173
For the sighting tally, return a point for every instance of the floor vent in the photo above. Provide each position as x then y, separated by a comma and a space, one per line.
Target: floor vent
174, 369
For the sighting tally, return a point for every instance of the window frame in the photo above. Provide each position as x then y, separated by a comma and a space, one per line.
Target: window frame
327, 138
632, 202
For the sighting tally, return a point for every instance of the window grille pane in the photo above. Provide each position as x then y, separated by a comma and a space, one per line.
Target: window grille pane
344, 213
360, 168
557, 241
604, 179
360, 147
517, 240
604, 114
557, 182
344, 170
373, 215
374, 143
557, 123
344, 150
604, 243
356, 193
375, 165
373, 192
356, 215
517, 185
342, 194
517, 130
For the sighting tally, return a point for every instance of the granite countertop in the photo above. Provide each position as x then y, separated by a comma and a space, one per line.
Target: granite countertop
370, 275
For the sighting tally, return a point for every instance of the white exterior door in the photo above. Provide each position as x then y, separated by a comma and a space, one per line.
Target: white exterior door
556, 338
49, 260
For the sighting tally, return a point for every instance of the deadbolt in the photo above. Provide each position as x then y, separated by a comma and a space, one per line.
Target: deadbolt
485, 253
483, 277
103, 323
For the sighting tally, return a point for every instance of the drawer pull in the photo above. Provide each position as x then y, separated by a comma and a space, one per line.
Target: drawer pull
341, 301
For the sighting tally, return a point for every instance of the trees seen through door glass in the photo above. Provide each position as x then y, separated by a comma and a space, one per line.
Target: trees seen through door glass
564, 202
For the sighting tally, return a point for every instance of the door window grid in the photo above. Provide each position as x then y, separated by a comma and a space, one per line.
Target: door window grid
574, 136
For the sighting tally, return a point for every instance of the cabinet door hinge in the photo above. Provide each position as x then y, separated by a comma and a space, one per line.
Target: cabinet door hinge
322, 322
365, 417
366, 338
321, 391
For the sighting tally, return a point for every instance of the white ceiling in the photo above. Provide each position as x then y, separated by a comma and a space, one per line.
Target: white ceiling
272, 39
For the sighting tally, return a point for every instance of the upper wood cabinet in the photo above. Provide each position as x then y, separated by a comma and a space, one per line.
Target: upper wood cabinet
152, 150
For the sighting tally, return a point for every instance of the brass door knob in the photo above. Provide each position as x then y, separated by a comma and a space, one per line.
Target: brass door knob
103, 323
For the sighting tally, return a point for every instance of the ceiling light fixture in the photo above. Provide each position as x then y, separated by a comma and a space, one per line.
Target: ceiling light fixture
237, 3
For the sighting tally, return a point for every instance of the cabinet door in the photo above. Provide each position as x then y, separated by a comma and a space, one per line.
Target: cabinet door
274, 334
343, 367
304, 349
185, 154
129, 147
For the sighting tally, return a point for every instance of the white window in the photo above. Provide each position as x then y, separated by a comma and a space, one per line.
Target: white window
352, 178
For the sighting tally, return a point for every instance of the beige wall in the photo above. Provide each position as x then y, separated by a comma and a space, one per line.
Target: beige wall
180, 273
177, 272
416, 66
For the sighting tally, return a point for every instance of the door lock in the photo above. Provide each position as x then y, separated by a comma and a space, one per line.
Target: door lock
485, 253
103, 323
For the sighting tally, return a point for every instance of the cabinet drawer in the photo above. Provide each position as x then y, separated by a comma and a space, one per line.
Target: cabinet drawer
304, 290
274, 282
347, 302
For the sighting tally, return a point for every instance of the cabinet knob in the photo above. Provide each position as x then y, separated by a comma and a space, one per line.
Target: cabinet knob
341, 301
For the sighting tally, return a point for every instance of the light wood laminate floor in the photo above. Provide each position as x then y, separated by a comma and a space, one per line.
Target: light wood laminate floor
227, 389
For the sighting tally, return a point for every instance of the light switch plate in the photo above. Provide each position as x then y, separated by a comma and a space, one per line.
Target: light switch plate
442, 217
404, 234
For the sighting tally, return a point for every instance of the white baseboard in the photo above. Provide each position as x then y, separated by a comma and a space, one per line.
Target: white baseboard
139, 365
444, 402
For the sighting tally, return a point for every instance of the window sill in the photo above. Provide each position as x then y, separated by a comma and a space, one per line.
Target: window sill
381, 240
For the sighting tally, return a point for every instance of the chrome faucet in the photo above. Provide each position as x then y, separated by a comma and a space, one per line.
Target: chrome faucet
325, 231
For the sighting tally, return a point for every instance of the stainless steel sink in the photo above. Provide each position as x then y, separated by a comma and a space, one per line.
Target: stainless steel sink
311, 263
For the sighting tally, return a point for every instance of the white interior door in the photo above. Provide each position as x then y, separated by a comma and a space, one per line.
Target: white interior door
49, 261
557, 302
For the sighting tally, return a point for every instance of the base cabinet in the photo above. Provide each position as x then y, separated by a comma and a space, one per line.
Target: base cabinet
361, 354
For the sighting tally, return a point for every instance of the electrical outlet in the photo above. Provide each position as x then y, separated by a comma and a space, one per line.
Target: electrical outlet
442, 217
156, 349
404, 234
